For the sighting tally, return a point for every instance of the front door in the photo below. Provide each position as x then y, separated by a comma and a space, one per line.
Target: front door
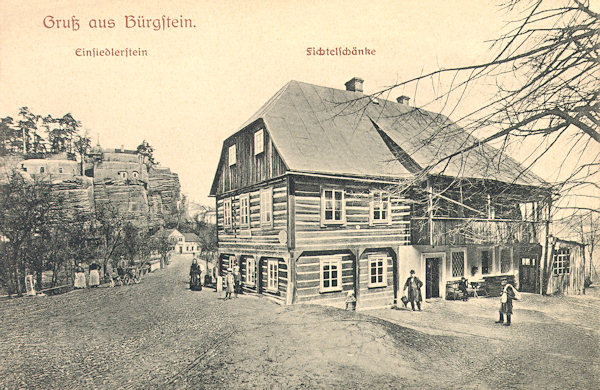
432, 277
528, 274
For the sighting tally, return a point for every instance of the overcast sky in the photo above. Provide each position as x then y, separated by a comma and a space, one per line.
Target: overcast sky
198, 85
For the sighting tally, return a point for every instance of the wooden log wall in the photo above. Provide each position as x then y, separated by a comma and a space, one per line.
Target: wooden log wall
375, 296
356, 231
308, 279
282, 278
257, 237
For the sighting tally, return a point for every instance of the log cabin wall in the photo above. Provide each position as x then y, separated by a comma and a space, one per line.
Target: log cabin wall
356, 229
371, 292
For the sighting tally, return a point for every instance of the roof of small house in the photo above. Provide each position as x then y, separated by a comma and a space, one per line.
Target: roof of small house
191, 237
334, 131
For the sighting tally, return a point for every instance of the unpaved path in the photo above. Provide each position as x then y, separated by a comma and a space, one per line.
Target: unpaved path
158, 334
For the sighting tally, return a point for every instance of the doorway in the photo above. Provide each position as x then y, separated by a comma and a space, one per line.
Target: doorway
528, 274
432, 277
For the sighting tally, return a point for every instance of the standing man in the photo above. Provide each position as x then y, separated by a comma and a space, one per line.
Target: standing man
413, 285
508, 294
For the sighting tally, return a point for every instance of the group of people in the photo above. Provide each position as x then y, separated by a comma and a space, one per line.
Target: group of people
232, 282
79, 281
412, 294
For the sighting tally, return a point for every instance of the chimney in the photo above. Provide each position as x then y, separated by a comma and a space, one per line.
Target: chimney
403, 99
355, 84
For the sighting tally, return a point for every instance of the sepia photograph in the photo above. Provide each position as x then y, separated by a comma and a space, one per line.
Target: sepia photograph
276, 194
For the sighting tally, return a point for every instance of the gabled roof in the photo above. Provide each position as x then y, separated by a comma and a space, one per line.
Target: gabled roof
191, 237
334, 131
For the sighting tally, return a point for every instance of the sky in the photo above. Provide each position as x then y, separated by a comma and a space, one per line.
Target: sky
198, 85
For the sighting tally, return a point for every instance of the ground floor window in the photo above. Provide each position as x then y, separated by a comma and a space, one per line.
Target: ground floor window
458, 263
272, 271
331, 274
377, 271
505, 260
486, 261
561, 262
250, 271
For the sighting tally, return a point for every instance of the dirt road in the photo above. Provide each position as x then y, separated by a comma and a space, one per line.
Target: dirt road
158, 334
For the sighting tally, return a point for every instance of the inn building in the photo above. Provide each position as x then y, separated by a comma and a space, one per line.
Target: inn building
325, 191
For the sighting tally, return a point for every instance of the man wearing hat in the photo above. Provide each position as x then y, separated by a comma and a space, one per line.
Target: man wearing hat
413, 285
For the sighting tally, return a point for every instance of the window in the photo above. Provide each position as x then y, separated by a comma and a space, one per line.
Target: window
42, 169
266, 207
232, 156
377, 271
60, 170
134, 174
245, 211
458, 263
486, 261
505, 260
227, 213
259, 142
272, 268
561, 263
123, 175
250, 271
133, 206
332, 206
180, 239
331, 274
380, 207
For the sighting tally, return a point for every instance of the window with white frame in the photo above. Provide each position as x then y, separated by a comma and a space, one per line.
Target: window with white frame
250, 271
332, 206
232, 156
458, 263
123, 175
331, 274
272, 274
505, 260
135, 174
266, 207
561, 262
377, 271
259, 142
245, 211
227, 213
380, 207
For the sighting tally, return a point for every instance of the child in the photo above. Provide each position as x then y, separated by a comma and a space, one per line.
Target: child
351, 301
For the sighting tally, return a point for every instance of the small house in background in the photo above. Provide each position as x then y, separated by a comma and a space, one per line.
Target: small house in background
567, 269
325, 191
183, 243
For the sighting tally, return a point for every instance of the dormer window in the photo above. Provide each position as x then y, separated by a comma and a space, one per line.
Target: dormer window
232, 157
259, 142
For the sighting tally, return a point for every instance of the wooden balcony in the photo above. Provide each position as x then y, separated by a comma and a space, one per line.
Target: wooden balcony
460, 231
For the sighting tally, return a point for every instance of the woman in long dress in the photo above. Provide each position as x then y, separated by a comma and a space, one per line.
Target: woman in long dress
94, 275
79, 277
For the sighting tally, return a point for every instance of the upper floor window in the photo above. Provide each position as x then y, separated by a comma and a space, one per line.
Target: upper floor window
123, 175
561, 262
42, 169
266, 207
60, 170
380, 207
232, 156
135, 174
227, 212
377, 271
332, 206
245, 210
259, 142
